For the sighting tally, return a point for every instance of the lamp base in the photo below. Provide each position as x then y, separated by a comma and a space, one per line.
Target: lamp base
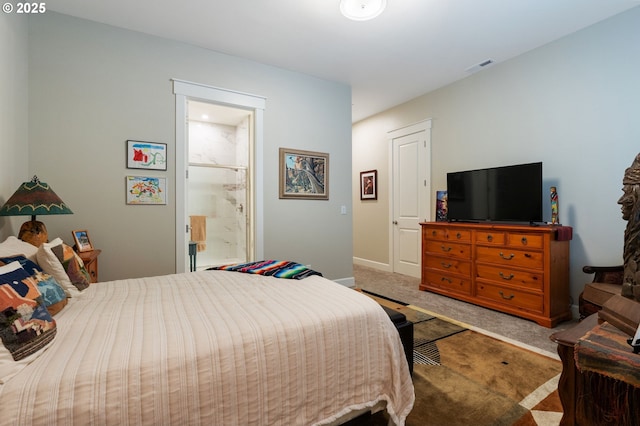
33, 232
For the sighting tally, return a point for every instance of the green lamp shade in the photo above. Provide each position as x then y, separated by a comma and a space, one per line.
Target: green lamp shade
34, 198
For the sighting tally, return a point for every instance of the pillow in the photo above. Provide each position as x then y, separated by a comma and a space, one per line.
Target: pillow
50, 264
73, 265
13, 246
54, 297
26, 327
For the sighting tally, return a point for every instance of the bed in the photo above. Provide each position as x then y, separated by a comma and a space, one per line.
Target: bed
213, 348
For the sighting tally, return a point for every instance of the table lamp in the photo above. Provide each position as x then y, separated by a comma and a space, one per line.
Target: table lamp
34, 198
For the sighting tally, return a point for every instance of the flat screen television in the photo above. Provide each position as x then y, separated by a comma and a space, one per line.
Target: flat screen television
498, 194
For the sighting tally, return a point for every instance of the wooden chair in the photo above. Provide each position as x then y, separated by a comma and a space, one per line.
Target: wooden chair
607, 282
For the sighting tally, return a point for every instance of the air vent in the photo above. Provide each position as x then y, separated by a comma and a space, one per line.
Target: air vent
477, 67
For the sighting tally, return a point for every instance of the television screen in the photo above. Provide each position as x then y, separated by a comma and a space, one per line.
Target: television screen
501, 194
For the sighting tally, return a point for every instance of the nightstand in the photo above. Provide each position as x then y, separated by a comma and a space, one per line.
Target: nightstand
90, 259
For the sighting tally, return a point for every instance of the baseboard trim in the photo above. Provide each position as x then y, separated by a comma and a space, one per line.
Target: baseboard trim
372, 264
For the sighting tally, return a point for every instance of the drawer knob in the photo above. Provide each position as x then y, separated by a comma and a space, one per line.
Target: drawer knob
505, 277
458, 235
434, 233
446, 279
489, 237
506, 297
524, 241
447, 249
507, 257
446, 265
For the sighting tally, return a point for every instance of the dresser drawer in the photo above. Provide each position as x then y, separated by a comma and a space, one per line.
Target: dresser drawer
490, 237
528, 280
510, 297
448, 282
509, 256
444, 234
525, 240
449, 249
448, 264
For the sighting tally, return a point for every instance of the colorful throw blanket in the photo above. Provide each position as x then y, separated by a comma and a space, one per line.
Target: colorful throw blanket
275, 268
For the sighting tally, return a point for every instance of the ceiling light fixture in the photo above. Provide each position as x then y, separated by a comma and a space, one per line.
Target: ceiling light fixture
362, 10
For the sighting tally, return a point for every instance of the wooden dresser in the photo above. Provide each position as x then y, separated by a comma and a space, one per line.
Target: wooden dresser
517, 269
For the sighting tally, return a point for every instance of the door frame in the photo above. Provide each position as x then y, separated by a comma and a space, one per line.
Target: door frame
425, 175
185, 91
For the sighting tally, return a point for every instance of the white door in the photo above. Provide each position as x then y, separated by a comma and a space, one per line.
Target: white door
411, 195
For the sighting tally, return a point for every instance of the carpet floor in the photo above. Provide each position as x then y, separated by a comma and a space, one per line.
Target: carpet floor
405, 288
464, 377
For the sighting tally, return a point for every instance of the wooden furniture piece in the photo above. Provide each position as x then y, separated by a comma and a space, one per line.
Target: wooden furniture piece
589, 393
90, 260
607, 282
570, 380
517, 269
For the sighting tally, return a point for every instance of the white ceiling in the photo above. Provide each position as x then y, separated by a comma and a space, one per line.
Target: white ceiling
414, 47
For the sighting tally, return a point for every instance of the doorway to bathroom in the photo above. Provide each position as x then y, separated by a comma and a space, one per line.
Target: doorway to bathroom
219, 157
218, 190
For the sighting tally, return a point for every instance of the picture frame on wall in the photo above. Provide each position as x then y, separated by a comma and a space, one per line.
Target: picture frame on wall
304, 175
146, 190
146, 155
369, 185
82, 241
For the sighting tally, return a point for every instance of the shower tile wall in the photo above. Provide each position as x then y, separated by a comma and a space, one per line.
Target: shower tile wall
219, 193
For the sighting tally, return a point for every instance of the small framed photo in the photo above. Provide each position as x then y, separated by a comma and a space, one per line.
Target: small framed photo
81, 238
369, 185
146, 155
146, 190
304, 175
441, 206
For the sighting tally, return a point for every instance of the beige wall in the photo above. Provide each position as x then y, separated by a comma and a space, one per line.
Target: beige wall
91, 87
13, 113
571, 104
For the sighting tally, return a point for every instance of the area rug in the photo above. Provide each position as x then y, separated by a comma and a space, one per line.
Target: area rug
463, 376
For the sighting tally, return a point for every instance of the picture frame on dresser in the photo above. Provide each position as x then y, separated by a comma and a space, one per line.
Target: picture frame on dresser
82, 241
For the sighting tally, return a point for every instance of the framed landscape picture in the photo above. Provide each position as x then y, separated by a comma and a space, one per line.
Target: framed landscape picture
369, 185
304, 174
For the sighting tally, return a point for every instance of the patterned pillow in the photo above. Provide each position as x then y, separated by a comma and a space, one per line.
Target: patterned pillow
54, 297
73, 265
26, 327
50, 264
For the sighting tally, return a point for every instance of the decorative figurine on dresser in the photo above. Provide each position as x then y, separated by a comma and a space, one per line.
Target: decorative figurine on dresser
555, 214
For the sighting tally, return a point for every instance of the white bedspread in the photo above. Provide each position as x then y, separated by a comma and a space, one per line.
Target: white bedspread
213, 348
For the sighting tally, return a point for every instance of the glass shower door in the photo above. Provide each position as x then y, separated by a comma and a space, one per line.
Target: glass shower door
218, 214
